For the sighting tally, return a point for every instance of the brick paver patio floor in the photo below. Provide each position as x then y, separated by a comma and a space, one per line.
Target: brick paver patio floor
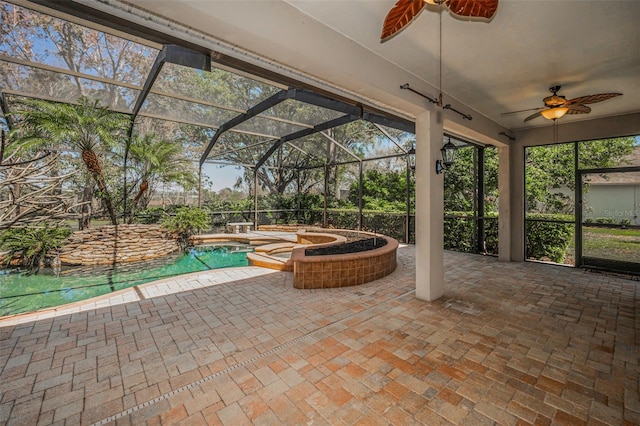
509, 343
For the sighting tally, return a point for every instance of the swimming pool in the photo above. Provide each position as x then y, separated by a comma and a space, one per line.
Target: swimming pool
20, 292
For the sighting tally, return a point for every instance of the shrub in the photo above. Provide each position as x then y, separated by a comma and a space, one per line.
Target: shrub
150, 215
33, 244
186, 222
548, 239
459, 232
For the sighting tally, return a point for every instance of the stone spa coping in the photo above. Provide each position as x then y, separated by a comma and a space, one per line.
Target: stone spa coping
328, 271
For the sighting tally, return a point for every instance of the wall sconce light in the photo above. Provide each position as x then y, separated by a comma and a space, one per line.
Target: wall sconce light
411, 159
448, 155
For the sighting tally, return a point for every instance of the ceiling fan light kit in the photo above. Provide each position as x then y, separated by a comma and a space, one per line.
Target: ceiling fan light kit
554, 113
404, 12
557, 106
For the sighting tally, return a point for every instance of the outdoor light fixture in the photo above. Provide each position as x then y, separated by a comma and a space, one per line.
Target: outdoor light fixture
411, 158
554, 113
448, 154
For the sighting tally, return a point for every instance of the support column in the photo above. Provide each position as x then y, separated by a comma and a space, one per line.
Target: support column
429, 207
517, 201
504, 203
480, 200
511, 202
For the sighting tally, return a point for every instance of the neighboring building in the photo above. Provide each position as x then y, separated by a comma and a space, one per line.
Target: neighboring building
614, 195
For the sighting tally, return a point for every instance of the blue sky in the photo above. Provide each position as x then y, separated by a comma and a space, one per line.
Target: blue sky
222, 177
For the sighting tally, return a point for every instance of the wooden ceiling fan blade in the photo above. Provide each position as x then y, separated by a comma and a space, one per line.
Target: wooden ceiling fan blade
592, 99
399, 17
532, 116
520, 111
578, 109
473, 8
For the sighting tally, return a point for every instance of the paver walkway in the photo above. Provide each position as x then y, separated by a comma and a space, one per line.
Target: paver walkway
509, 343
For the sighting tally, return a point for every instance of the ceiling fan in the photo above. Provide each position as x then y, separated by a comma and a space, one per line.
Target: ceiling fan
405, 11
556, 106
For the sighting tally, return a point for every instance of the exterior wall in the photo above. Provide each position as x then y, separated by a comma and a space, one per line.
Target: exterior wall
617, 202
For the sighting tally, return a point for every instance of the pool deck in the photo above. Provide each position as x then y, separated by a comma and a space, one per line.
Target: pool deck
509, 343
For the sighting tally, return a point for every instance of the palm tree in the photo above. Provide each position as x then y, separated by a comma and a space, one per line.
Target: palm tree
155, 160
86, 127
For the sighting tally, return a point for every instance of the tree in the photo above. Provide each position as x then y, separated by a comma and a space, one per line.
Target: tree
36, 37
157, 161
86, 127
382, 190
30, 193
459, 180
551, 168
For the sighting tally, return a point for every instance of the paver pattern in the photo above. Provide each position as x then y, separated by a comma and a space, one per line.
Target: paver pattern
509, 343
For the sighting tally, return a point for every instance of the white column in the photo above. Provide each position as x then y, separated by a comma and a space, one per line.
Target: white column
517, 201
511, 202
429, 207
504, 203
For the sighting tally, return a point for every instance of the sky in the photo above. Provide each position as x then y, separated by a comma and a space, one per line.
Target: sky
222, 177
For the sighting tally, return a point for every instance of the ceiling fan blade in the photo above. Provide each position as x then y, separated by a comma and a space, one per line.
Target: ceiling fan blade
532, 116
522, 110
578, 109
592, 99
473, 8
400, 15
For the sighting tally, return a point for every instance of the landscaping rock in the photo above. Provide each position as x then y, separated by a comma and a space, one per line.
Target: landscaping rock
117, 244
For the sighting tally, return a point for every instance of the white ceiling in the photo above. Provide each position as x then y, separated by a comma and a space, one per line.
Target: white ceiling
509, 63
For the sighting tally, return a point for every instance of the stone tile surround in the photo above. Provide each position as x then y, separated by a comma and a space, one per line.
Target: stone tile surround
343, 270
508, 344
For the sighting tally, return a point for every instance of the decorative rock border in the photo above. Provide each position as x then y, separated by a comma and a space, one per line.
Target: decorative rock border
117, 244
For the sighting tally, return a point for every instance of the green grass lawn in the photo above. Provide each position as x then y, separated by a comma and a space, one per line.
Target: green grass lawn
605, 243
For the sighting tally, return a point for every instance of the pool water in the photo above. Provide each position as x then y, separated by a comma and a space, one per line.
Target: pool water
21, 292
